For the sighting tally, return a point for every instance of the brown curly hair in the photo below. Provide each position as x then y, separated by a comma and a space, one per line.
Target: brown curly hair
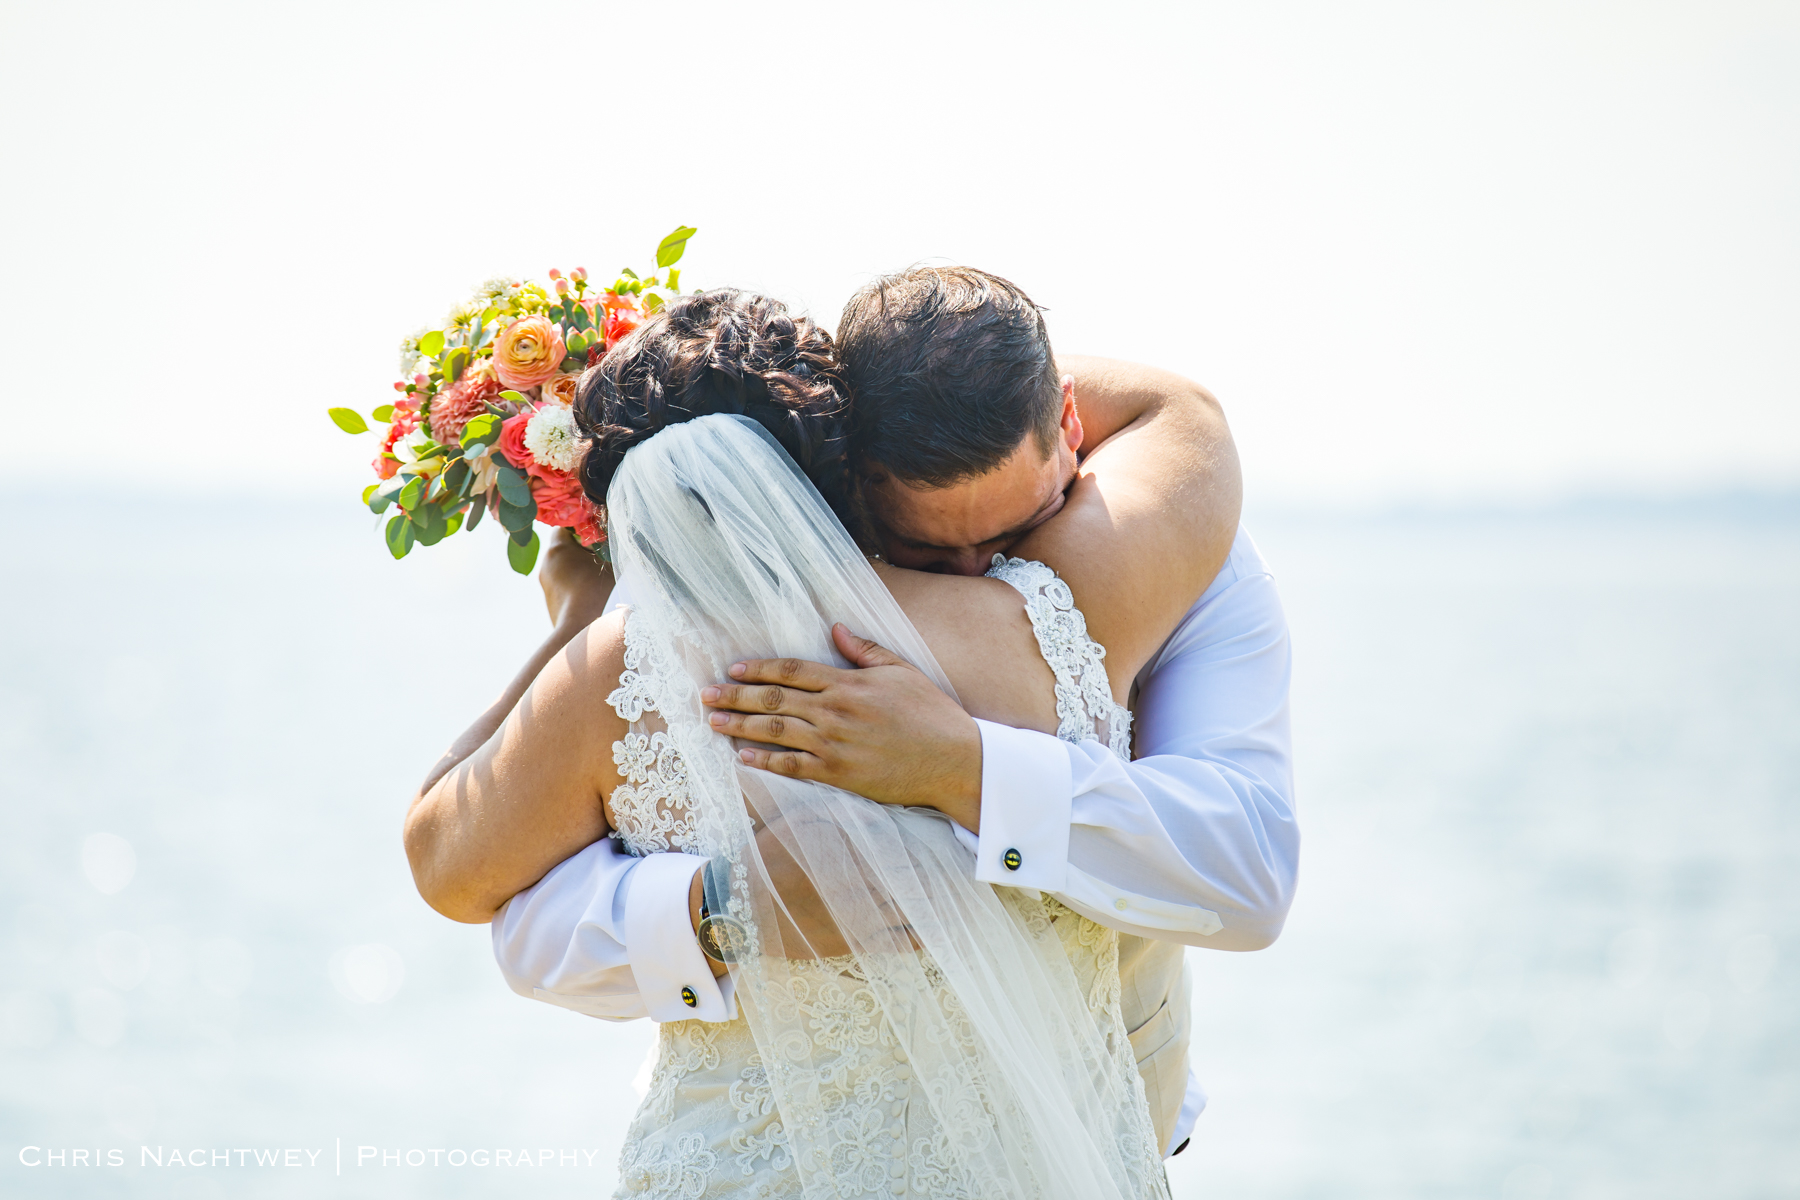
723, 351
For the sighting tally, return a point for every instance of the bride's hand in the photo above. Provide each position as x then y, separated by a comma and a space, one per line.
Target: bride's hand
576, 583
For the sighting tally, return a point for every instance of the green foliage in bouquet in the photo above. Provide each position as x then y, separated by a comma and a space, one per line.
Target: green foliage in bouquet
484, 424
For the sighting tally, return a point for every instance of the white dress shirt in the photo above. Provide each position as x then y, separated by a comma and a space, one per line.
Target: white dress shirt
1193, 841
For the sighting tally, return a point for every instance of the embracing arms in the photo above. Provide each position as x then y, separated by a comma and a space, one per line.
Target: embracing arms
1196, 839
525, 786
1148, 522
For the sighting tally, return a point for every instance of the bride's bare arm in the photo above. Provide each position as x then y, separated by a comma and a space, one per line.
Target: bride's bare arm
525, 791
1153, 512
523, 787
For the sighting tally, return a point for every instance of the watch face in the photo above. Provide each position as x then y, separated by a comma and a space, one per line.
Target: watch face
722, 937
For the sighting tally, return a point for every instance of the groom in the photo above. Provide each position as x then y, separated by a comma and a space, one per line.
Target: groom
970, 444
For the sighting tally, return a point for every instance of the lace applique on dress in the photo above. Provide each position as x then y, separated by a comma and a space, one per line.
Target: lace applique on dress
651, 807
1085, 707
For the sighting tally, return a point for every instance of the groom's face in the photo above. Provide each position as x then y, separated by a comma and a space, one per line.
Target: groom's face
957, 530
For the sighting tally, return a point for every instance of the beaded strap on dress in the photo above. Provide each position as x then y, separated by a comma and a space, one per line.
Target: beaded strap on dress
1085, 707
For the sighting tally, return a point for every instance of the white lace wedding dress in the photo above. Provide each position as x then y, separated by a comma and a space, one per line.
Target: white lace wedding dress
710, 1125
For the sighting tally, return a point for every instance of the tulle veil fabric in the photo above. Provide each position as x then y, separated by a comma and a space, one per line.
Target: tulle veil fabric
733, 554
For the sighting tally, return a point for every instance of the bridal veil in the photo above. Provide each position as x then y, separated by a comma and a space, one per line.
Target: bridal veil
732, 554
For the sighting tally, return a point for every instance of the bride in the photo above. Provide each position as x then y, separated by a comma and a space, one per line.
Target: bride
902, 1028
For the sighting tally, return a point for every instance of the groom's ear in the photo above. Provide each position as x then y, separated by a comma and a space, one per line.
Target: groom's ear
1071, 420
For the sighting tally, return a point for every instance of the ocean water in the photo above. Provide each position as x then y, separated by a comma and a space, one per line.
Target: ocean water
1547, 940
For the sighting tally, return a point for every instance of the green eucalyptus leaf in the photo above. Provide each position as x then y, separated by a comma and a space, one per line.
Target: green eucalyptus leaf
515, 489
455, 363
514, 518
432, 343
412, 493
522, 556
652, 301
452, 523
348, 420
399, 536
627, 273
384, 413
482, 430
369, 491
431, 524
515, 397
670, 249
476, 511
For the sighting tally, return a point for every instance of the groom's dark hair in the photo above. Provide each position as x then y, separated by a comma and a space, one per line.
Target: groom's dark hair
949, 369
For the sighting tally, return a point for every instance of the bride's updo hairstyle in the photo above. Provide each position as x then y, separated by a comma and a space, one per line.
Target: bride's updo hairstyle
723, 351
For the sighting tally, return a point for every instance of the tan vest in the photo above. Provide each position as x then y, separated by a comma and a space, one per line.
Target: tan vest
1156, 1001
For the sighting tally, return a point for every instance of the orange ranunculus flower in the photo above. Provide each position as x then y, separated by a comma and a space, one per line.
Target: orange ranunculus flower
528, 352
561, 388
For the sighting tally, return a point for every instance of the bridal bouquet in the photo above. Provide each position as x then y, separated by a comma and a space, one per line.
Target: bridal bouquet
484, 422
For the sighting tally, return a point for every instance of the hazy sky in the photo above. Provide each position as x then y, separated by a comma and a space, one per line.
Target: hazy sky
1427, 250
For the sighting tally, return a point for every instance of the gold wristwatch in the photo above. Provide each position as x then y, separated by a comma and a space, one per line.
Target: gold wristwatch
722, 936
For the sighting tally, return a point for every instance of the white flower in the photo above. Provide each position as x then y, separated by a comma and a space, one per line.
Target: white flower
498, 290
407, 448
484, 470
551, 437
462, 312
409, 352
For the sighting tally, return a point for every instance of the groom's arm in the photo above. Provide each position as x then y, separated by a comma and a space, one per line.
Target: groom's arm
612, 936
1194, 841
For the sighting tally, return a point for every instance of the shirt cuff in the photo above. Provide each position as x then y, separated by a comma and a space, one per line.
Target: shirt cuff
1026, 806
1192, 1105
673, 976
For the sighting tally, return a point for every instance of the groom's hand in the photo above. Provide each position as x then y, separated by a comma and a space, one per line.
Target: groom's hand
882, 730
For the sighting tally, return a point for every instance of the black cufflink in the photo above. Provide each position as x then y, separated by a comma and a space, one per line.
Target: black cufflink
688, 998
1011, 860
